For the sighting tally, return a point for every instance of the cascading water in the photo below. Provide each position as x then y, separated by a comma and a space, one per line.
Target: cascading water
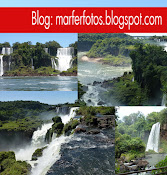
164, 102
64, 57
1, 67
8, 51
51, 153
153, 140
38, 141
54, 66
66, 118
32, 62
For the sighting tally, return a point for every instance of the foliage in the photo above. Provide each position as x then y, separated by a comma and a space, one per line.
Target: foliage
81, 92
14, 110
162, 163
132, 146
70, 125
86, 40
124, 91
112, 46
38, 153
90, 110
119, 60
9, 165
70, 72
75, 47
149, 64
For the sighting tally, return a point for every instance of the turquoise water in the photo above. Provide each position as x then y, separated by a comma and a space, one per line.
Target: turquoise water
59, 83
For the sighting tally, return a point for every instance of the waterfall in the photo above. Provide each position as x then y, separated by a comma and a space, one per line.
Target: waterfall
52, 153
38, 137
1, 67
3, 51
64, 57
164, 100
54, 66
153, 140
38, 141
46, 50
32, 62
66, 118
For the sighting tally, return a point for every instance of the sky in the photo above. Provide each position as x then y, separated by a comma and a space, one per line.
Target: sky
83, 3
48, 97
64, 39
127, 110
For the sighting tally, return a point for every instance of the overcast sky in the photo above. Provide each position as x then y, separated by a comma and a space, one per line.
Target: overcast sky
127, 110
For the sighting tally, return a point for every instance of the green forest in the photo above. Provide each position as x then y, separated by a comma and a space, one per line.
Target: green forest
21, 115
24, 53
149, 64
132, 133
86, 40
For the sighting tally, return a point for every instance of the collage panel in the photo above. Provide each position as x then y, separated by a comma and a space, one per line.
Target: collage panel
140, 140
47, 133
38, 62
118, 69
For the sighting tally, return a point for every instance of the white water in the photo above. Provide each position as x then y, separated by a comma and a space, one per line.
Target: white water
1, 65
38, 141
54, 66
51, 153
8, 51
50, 156
153, 140
164, 98
32, 62
66, 118
64, 57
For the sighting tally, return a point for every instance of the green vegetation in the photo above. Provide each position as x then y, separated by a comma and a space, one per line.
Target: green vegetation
25, 53
148, 82
38, 153
70, 72
14, 110
28, 71
21, 115
57, 128
90, 110
162, 163
132, 133
112, 46
70, 125
9, 165
149, 64
125, 92
86, 40
129, 147
119, 60
80, 90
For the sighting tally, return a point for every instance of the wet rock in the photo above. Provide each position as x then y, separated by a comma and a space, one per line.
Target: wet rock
142, 164
84, 88
79, 130
93, 131
96, 83
133, 168
100, 103
89, 101
105, 122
